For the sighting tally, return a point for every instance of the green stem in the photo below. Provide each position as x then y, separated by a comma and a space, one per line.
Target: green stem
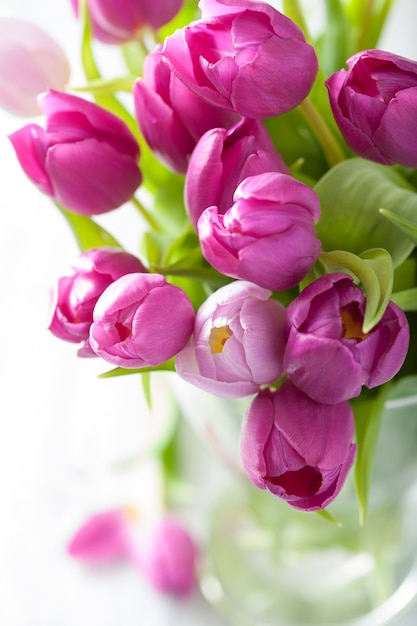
366, 24
92, 74
145, 214
331, 148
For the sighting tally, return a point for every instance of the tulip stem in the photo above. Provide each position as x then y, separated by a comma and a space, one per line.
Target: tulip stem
331, 148
145, 214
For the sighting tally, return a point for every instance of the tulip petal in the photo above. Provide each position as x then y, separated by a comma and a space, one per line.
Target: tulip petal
82, 187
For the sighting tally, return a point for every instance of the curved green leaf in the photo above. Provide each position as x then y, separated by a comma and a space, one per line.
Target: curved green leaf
368, 413
87, 233
351, 195
373, 268
167, 366
407, 225
406, 299
380, 262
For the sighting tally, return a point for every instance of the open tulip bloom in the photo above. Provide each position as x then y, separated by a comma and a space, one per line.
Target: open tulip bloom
278, 256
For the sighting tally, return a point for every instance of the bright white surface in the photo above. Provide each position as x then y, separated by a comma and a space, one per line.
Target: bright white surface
62, 430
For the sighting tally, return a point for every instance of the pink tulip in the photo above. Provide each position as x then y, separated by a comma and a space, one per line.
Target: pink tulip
244, 56
141, 320
31, 62
164, 552
267, 236
167, 556
105, 537
374, 103
118, 21
86, 158
298, 449
237, 344
327, 354
172, 117
75, 294
222, 159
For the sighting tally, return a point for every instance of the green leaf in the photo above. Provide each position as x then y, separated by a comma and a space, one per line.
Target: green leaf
134, 54
381, 263
87, 233
168, 366
351, 195
407, 226
188, 13
294, 140
373, 269
368, 19
168, 201
368, 411
146, 387
106, 86
327, 516
186, 245
154, 246
185, 270
405, 276
406, 299
335, 45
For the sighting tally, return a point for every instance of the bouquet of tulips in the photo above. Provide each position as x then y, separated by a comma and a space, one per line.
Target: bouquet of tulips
275, 177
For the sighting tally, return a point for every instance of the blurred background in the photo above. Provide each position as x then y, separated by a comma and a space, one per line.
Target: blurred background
65, 435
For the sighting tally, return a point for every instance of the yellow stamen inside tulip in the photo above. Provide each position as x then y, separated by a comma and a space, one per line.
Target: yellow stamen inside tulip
352, 322
218, 337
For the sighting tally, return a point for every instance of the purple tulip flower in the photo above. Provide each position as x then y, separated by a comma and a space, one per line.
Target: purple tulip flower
75, 294
31, 62
118, 21
222, 159
238, 342
85, 158
327, 354
244, 56
267, 236
141, 320
374, 103
298, 449
171, 117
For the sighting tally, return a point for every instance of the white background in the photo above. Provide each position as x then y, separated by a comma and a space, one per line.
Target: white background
63, 431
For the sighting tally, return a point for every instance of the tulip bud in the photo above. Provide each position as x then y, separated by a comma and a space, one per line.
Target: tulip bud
267, 236
327, 354
31, 62
141, 320
245, 57
118, 21
298, 449
374, 104
86, 158
167, 557
172, 117
238, 342
222, 159
75, 294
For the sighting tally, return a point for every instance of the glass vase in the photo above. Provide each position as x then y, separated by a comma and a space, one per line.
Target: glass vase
266, 564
